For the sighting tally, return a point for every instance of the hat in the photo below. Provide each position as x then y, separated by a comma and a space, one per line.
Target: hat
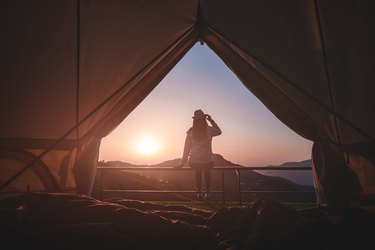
198, 114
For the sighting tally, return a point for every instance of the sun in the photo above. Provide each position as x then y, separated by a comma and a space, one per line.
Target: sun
147, 146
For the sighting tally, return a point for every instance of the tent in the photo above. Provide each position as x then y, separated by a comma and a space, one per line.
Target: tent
72, 70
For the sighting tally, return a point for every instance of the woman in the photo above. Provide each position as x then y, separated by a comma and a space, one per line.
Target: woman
198, 148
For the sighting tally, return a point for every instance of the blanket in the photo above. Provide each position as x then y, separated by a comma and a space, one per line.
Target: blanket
71, 221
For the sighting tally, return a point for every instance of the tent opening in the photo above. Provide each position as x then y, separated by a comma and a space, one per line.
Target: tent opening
252, 135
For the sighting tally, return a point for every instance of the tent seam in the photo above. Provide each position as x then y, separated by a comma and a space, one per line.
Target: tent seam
326, 70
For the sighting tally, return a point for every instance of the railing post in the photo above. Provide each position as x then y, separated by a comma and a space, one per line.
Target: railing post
101, 171
222, 185
238, 172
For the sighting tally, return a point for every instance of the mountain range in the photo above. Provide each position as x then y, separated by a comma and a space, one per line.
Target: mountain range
302, 177
268, 180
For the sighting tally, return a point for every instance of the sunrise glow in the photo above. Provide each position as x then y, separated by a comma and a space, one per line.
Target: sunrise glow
155, 130
147, 146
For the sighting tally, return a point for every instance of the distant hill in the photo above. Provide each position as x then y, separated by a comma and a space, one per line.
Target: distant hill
302, 177
219, 161
305, 163
185, 180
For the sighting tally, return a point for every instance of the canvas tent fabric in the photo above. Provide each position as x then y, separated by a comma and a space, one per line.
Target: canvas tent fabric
72, 70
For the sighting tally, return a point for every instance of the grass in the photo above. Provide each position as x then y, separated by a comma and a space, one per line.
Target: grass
214, 206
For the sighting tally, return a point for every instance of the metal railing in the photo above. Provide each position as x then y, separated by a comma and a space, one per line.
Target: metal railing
238, 170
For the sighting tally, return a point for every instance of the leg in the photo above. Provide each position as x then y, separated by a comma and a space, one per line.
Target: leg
198, 179
198, 183
207, 179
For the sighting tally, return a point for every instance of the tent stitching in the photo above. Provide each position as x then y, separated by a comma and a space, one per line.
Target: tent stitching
78, 67
326, 70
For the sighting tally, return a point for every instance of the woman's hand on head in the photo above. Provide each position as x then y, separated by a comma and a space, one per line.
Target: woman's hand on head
209, 118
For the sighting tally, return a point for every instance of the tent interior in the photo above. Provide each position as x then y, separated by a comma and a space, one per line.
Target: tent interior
71, 71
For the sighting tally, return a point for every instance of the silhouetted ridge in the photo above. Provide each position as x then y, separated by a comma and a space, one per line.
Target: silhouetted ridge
219, 161
305, 163
184, 180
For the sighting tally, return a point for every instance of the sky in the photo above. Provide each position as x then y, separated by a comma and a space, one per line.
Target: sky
155, 131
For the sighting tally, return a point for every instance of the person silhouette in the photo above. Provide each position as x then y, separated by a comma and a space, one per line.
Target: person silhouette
198, 150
